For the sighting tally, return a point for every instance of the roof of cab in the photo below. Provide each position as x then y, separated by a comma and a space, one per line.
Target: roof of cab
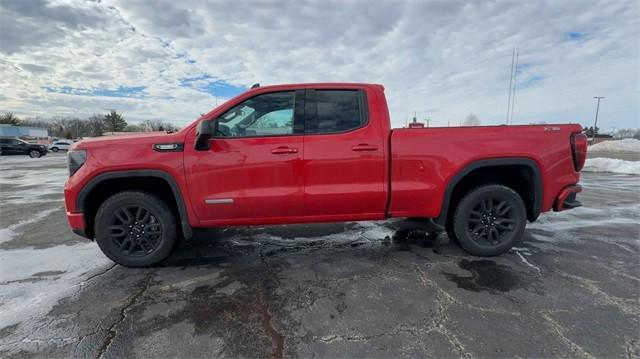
317, 84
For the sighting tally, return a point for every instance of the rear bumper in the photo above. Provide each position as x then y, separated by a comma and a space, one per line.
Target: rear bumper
567, 198
77, 224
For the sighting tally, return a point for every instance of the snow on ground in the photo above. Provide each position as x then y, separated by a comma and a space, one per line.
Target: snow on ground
626, 145
612, 165
21, 175
33, 280
8, 233
584, 217
355, 232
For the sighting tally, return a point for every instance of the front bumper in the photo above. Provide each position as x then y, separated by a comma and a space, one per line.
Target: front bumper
567, 198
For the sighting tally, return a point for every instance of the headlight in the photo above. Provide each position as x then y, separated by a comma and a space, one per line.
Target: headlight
75, 160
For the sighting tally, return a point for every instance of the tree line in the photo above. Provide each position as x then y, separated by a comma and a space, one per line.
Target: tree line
619, 133
92, 126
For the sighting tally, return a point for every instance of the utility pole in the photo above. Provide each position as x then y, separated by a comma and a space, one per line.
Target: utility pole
515, 85
595, 124
513, 60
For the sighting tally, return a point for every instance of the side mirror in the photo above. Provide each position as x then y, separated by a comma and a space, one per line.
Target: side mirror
205, 131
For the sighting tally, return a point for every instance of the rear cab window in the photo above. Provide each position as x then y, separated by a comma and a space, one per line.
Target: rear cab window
335, 111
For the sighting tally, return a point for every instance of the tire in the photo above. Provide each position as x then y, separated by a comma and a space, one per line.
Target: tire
55, 149
451, 233
489, 220
34, 154
134, 211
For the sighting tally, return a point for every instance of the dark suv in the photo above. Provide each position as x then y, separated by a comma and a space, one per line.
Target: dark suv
14, 146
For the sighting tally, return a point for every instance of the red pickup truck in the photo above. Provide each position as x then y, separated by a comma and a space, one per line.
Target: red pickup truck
317, 153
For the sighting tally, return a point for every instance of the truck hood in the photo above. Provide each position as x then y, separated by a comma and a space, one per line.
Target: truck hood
123, 140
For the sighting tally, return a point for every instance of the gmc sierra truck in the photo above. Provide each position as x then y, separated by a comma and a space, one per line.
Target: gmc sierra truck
317, 153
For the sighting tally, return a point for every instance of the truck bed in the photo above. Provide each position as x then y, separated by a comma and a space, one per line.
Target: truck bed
424, 162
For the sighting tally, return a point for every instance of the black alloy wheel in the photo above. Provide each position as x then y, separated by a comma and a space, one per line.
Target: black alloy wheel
489, 220
135, 229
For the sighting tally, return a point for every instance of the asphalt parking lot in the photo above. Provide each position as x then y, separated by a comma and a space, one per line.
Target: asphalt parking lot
571, 289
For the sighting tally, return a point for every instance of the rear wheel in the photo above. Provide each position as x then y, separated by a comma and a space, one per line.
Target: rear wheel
34, 154
451, 233
55, 149
489, 220
135, 229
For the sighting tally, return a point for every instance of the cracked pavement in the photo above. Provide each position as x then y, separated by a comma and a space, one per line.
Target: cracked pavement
570, 289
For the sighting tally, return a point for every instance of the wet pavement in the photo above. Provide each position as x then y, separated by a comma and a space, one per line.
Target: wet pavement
571, 289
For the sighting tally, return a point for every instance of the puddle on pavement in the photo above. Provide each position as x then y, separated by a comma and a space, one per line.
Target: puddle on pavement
404, 239
487, 275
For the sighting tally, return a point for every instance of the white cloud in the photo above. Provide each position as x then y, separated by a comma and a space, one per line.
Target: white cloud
441, 59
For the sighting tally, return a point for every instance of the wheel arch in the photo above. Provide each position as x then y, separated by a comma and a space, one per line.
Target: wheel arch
533, 202
109, 183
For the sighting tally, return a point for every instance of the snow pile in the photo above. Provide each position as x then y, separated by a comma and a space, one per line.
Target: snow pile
626, 145
612, 165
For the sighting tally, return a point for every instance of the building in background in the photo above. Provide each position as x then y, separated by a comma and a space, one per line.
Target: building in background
24, 132
415, 124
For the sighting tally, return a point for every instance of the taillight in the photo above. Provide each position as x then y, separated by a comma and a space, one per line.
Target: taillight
579, 150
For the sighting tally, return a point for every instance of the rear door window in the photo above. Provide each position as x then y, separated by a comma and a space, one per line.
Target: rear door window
335, 111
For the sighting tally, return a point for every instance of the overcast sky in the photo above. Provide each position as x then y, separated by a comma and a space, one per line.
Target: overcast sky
443, 59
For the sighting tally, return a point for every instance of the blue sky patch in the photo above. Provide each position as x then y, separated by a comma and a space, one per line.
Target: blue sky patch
208, 84
522, 68
575, 35
122, 91
531, 81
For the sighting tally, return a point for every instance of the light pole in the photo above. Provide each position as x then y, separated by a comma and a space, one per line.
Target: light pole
595, 124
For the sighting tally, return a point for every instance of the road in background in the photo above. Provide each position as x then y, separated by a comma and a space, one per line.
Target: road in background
355, 289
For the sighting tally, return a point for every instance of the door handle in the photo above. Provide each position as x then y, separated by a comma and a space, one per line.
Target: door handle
364, 147
284, 150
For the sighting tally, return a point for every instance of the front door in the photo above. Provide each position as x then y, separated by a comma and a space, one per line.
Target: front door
252, 173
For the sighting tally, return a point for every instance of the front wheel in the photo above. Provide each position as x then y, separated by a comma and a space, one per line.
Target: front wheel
55, 149
34, 154
489, 220
135, 229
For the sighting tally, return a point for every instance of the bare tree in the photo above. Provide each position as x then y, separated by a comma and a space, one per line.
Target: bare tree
95, 126
625, 133
158, 125
471, 120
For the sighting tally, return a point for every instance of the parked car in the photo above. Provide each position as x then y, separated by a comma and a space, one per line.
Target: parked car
14, 146
318, 153
60, 146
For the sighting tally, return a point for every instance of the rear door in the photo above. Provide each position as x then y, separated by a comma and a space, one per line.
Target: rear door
14, 147
344, 157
